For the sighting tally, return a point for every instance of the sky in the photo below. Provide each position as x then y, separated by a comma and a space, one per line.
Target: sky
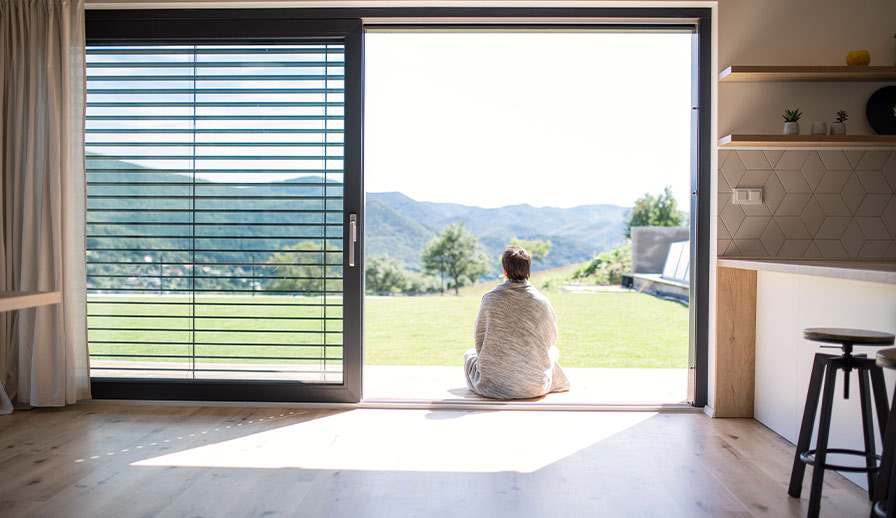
548, 119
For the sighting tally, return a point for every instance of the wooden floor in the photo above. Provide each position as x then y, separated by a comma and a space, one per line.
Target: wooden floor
120, 461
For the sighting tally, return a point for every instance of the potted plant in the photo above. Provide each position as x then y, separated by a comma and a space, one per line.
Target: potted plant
839, 126
791, 121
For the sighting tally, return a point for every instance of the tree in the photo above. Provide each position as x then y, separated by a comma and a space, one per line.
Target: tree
537, 248
655, 211
455, 253
385, 273
299, 268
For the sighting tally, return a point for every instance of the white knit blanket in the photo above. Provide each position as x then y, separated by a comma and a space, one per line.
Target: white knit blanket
515, 335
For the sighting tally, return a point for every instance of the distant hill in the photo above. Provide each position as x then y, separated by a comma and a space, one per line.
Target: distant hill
395, 223
401, 226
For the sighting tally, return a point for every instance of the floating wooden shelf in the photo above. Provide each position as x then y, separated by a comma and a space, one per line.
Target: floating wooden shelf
12, 300
808, 141
749, 73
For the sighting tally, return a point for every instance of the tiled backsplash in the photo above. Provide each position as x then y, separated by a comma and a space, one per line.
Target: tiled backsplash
816, 204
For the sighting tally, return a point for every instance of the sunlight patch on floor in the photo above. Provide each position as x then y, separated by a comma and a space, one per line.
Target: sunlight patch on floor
410, 440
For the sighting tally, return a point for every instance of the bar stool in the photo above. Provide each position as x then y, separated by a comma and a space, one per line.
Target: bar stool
885, 491
825, 368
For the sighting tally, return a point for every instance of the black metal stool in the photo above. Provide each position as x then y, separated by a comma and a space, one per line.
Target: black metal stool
885, 491
825, 367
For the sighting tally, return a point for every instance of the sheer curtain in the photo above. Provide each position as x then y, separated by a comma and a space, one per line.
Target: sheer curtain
43, 351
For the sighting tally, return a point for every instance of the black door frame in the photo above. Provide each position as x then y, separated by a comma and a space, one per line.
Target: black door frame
164, 27
281, 25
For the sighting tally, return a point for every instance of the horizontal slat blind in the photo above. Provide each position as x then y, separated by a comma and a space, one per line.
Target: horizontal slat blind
215, 211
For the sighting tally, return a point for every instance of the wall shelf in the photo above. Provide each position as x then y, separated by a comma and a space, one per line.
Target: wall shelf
12, 300
750, 73
807, 141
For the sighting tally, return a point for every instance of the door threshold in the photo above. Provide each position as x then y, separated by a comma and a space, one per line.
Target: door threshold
491, 405
419, 404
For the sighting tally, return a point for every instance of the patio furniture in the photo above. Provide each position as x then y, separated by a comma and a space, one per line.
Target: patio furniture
825, 368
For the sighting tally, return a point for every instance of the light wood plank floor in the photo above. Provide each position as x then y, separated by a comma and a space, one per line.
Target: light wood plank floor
121, 461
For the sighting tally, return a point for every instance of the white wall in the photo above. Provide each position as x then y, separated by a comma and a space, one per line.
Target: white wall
785, 305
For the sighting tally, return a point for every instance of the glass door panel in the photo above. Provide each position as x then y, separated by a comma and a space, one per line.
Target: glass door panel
216, 213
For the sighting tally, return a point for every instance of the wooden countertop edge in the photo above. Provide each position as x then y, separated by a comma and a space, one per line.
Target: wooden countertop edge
12, 300
872, 272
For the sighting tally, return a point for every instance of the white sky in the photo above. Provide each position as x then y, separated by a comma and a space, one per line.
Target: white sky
548, 119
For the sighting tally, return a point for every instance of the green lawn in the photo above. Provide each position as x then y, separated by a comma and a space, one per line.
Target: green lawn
605, 329
596, 330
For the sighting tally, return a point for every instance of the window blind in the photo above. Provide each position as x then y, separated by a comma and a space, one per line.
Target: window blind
215, 211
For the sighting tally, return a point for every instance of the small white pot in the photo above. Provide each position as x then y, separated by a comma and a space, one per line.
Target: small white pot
838, 128
819, 128
791, 128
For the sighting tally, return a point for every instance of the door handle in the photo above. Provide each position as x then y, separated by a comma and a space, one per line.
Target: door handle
352, 238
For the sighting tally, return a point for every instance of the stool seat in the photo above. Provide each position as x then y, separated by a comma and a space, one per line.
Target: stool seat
839, 335
886, 358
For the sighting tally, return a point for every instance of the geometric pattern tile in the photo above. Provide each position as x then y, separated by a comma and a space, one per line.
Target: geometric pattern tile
794, 228
733, 169
752, 227
812, 251
753, 178
793, 160
772, 238
889, 171
889, 217
852, 239
832, 204
812, 216
872, 161
855, 156
754, 160
793, 204
874, 249
832, 181
794, 181
835, 160
873, 205
773, 193
773, 155
818, 204
832, 227
831, 249
794, 247
853, 193
874, 182
873, 228
813, 169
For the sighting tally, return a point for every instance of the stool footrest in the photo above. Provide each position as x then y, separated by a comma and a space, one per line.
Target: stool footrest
808, 457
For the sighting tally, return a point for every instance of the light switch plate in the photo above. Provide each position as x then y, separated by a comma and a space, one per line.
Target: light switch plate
747, 196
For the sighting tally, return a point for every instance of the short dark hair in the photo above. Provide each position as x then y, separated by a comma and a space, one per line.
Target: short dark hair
516, 261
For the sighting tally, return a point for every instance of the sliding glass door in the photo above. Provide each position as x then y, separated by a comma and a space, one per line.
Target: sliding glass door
223, 205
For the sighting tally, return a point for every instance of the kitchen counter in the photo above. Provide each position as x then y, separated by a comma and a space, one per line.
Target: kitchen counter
762, 361
869, 271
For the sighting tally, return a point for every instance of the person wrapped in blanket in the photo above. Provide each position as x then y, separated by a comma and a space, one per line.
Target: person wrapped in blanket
515, 354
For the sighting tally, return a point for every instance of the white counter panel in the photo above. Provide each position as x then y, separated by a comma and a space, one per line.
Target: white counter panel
787, 304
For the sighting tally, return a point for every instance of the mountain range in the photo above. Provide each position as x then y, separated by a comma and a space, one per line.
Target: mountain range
401, 227
123, 227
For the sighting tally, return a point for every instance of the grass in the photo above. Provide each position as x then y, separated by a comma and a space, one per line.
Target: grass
604, 329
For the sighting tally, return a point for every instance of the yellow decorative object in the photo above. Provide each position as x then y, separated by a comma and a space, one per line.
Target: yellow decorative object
858, 58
